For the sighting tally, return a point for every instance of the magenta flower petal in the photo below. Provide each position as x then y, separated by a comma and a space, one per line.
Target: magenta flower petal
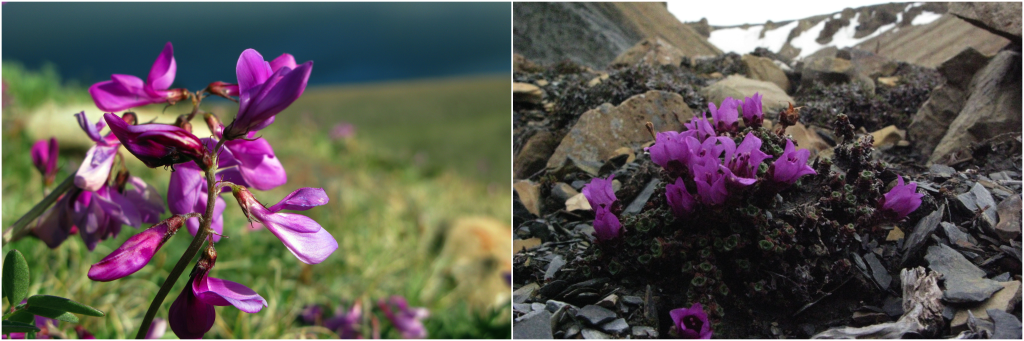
264, 94
221, 292
183, 190
157, 329
251, 71
901, 199
134, 254
218, 216
54, 226
406, 320
302, 199
284, 60
44, 156
679, 199
95, 169
146, 200
156, 144
606, 224
161, 75
752, 114
600, 193
726, 116
692, 322
93, 131
701, 127
257, 163
346, 323
304, 237
748, 157
792, 164
189, 317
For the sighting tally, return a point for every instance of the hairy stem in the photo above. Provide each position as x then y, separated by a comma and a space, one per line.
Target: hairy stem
20, 228
190, 253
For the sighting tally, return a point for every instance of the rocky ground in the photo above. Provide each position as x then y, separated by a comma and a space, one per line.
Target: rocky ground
954, 130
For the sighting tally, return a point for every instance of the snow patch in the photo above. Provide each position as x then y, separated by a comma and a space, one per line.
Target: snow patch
741, 40
925, 18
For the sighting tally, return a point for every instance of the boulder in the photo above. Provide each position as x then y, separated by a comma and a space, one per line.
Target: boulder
960, 69
1001, 18
521, 64
993, 107
603, 130
764, 69
651, 51
930, 123
526, 92
738, 87
535, 153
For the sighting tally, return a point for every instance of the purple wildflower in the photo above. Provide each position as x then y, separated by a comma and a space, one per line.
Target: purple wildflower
710, 181
192, 313
601, 196
57, 222
136, 252
726, 116
343, 131
157, 144
670, 150
44, 157
346, 323
304, 237
752, 114
100, 214
701, 127
187, 193
692, 322
406, 320
190, 317
791, 165
901, 199
313, 314
95, 169
679, 199
745, 159
264, 92
126, 91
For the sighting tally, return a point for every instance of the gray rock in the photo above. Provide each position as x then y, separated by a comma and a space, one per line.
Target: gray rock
526, 92
993, 107
959, 70
617, 326
1006, 325
562, 191
584, 230
572, 331
553, 305
556, 264
536, 326
1001, 18
738, 87
878, 271
931, 121
595, 315
644, 332
634, 300
955, 235
602, 130
522, 294
591, 334
641, 199
924, 228
522, 307
979, 198
1009, 213
964, 281
763, 69
537, 306
609, 302
893, 306
651, 51
941, 171
1003, 277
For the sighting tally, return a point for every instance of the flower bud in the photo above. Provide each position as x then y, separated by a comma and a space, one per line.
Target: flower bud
44, 157
157, 144
136, 252
213, 122
222, 89
189, 317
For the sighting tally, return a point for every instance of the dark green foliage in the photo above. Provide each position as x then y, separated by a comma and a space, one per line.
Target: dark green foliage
16, 277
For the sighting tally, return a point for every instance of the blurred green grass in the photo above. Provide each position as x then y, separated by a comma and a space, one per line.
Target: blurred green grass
389, 209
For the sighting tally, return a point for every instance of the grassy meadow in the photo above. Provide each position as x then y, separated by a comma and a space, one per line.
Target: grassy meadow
419, 205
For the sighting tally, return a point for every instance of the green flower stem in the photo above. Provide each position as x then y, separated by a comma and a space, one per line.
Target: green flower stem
20, 229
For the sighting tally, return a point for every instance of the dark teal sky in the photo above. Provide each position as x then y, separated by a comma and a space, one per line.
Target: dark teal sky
348, 42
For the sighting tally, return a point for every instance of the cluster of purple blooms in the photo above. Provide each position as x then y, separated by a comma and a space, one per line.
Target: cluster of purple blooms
101, 202
706, 156
347, 322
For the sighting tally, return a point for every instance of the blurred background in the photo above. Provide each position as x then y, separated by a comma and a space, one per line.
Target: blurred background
404, 123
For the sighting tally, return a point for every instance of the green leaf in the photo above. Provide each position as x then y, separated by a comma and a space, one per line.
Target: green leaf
62, 304
53, 313
22, 316
15, 281
18, 327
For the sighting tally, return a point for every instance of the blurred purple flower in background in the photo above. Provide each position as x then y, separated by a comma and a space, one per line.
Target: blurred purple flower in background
343, 130
44, 157
406, 320
346, 323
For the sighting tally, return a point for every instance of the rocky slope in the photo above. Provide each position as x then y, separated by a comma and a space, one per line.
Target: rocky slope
593, 34
917, 33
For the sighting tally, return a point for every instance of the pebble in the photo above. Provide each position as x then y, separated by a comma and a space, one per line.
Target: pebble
572, 331
522, 307
924, 228
645, 332
537, 306
595, 315
563, 191
955, 235
634, 300
591, 334
553, 305
878, 271
609, 302
535, 326
522, 294
941, 171
1006, 325
1003, 277
617, 326
556, 264
979, 198
964, 281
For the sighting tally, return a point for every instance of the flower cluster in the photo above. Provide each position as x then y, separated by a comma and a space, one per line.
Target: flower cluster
234, 158
407, 321
601, 196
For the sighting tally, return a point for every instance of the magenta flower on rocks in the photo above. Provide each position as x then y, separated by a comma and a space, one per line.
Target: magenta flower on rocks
126, 91
791, 165
679, 199
406, 320
346, 323
44, 157
726, 116
136, 252
304, 237
692, 322
701, 127
670, 150
752, 114
745, 159
710, 181
95, 169
601, 196
264, 92
901, 199
157, 144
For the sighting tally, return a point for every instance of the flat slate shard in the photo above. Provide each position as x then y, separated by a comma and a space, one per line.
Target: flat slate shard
537, 326
924, 228
964, 281
596, 315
